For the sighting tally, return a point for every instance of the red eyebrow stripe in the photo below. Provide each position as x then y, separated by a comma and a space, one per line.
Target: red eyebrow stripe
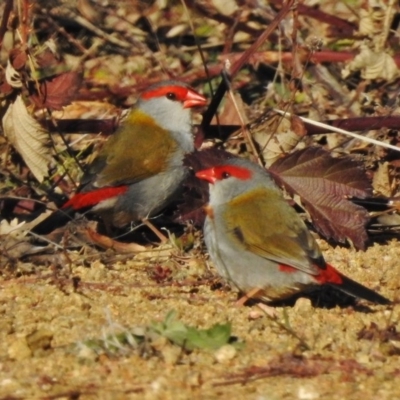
237, 172
215, 173
179, 91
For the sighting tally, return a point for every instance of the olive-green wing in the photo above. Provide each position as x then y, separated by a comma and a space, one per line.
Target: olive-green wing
138, 150
266, 225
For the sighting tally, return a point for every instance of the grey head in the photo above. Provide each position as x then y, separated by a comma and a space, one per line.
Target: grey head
169, 103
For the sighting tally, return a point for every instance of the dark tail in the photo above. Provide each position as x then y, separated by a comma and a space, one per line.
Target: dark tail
55, 220
357, 290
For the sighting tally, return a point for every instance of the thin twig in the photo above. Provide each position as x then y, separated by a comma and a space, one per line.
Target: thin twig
237, 65
342, 131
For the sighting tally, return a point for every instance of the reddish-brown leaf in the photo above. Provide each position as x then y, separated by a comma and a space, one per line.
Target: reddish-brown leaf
58, 91
196, 190
324, 183
46, 59
5, 89
386, 334
206, 159
18, 58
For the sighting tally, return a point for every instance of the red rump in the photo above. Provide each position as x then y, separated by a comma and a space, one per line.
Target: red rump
329, 275
326, 275
287, 268
89, 199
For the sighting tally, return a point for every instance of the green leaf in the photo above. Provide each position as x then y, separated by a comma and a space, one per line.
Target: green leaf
212, 338
172, 329
187, 337
190, 337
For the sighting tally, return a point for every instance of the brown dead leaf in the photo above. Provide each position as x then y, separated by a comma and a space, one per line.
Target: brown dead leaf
229, 113
12, 249
18, 58
28, 137
381, 181
57, 91
373, 65
374, 332
87, 110
277, 135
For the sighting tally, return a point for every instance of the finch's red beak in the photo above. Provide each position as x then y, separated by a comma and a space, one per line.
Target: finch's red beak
207, 175
194, 99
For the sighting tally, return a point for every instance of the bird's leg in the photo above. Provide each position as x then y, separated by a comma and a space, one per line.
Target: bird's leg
162, 237
253, 293
247, 296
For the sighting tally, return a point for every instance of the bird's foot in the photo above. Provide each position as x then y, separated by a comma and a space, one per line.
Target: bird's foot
252, 294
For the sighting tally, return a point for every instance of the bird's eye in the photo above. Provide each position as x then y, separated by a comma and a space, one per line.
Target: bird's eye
225, 175
171, 96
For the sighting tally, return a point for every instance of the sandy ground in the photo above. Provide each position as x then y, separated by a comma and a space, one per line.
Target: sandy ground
45, 317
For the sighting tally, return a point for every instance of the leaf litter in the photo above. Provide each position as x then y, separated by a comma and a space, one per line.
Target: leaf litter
69, 293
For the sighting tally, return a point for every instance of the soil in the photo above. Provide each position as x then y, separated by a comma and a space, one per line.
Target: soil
339, 353
49, 313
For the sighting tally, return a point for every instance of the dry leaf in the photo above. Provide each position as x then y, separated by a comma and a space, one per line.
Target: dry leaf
374, 61
17, 58
10, 228
177, 30
229, 114
13, 78
372, 64
87, 110
12, 248
381, 180
90, 11
58, 91
371, 20
324, 183
278, 135
225, 7
376, 21
28, 138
